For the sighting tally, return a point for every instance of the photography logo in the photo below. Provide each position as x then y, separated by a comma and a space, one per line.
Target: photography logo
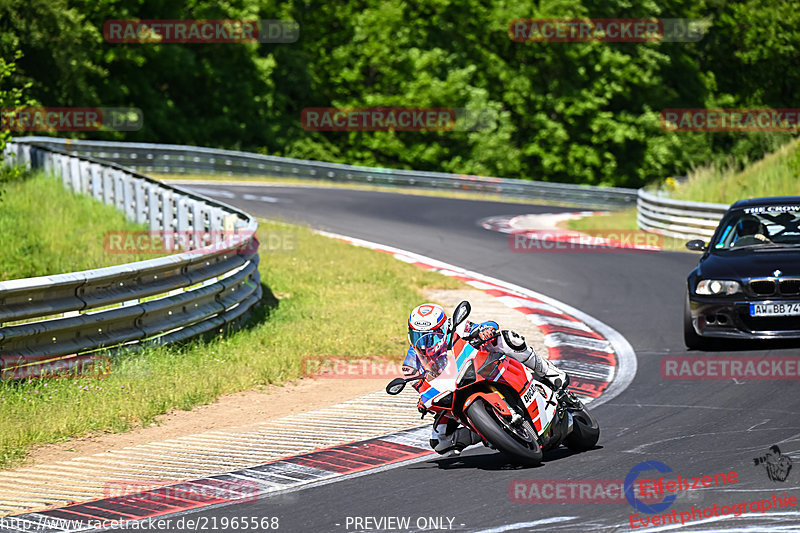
639, 505
777, 465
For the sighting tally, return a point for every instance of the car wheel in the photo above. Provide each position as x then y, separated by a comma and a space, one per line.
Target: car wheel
692, 340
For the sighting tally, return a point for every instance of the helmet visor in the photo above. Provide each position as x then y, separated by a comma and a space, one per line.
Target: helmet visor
431, 349
414, 336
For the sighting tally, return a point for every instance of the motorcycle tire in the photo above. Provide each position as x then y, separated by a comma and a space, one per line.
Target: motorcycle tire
493, 427
585, 431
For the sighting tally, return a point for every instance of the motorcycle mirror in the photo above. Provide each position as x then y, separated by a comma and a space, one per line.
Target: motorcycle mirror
395, 386
461, 313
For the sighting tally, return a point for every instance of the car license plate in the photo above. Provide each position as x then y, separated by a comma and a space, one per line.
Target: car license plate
784, 309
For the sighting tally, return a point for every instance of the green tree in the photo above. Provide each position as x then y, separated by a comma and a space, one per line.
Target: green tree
11, 98
570, 112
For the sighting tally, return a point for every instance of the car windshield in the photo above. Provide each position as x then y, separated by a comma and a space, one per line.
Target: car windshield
431, 350
770, 226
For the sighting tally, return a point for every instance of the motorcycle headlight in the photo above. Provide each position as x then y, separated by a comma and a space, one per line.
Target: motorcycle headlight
717, 287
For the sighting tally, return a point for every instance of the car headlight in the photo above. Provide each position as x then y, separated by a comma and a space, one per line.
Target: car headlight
716, 287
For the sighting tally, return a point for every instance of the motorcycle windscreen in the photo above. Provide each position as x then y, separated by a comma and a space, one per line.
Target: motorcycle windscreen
431, 348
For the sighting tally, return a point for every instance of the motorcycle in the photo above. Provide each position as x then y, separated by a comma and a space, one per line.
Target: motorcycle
496, 396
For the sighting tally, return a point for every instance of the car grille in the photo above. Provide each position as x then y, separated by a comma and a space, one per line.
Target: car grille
789, 286
764, 287
775, 287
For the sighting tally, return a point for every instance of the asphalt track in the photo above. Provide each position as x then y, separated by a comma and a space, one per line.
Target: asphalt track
695, 427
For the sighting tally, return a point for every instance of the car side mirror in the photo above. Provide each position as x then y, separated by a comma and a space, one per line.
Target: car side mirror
696, 245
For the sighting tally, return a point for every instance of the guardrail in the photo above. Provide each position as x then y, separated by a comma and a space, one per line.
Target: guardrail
676, 218
177, 159
61, 321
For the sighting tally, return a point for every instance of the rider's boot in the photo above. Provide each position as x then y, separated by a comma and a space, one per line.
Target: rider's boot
449, 439
513, 344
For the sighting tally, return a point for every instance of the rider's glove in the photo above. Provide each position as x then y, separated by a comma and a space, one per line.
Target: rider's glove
485, 333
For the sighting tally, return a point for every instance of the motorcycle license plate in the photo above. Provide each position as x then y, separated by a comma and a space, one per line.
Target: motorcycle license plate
776, 309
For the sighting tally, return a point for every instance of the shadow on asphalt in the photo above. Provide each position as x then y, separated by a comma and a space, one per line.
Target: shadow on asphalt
490, 460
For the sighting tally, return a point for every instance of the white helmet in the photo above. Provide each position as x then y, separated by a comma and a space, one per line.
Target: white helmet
428, 322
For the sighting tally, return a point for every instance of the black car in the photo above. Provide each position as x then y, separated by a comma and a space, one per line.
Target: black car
747, 284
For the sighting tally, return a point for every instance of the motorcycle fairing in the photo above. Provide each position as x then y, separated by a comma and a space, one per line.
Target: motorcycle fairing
494, 398
534, 397
446, 381
506, 371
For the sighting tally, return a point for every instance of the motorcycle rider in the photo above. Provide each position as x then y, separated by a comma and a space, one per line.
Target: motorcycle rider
447, 437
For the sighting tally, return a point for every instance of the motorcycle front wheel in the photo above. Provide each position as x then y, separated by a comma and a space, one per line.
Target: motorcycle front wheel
519, 442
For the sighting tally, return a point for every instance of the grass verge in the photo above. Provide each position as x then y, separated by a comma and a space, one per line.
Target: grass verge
333, 300
778, 174
47, 229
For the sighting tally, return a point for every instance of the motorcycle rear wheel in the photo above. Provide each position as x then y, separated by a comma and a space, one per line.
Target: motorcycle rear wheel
522, 445
585, 431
